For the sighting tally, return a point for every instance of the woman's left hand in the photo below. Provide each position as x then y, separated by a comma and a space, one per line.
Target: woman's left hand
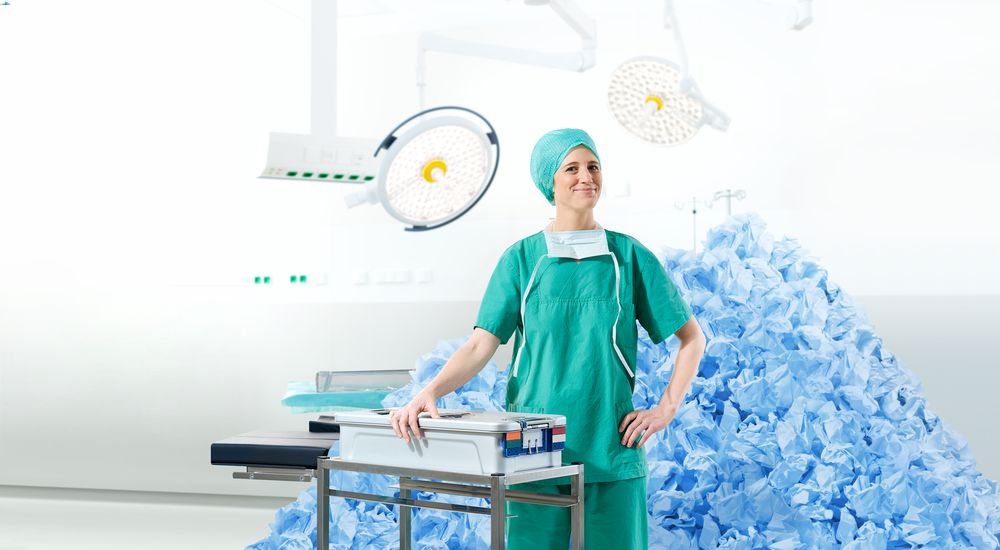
646, 422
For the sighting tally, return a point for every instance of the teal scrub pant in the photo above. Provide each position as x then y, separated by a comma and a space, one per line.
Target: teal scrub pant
614, 517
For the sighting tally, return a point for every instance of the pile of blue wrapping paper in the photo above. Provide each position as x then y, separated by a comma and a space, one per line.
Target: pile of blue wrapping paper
800, 431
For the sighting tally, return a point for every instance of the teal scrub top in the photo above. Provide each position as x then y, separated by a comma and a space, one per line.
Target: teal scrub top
568, 365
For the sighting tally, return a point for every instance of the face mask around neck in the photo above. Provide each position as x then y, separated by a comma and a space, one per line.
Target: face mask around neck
576, 244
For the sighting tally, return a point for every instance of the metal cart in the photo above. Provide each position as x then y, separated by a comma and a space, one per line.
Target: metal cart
493, 487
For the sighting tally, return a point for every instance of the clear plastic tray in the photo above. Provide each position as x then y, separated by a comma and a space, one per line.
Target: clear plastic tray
361, 380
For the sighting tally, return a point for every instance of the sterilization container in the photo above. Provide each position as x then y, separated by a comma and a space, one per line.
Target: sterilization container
475, 442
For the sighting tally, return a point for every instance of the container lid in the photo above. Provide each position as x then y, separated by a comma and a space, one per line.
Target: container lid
460, 420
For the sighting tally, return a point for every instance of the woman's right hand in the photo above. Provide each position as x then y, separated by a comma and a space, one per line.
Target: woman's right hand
406, 418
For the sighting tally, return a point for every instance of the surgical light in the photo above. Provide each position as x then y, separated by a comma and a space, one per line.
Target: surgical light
647, 96
657, 100
434, 167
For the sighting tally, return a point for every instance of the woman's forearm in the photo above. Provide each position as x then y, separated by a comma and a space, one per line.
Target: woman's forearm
685, 367
465, 363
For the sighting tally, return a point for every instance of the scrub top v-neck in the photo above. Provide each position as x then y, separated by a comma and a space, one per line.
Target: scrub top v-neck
568, 364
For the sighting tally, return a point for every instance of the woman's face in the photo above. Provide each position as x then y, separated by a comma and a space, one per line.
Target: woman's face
577, 182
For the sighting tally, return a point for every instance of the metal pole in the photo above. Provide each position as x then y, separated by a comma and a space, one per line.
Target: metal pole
498, 512
694, 225
322, 505
323, 67
405, 515
577, 511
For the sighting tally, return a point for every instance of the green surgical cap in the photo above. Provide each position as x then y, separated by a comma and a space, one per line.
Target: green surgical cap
549, 153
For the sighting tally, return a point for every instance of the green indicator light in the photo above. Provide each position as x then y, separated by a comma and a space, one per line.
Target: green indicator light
338, 176
291, 174
369, 178
256, 280
293, 278
302, 278
354, 177
267, 280
307, 174
324, 176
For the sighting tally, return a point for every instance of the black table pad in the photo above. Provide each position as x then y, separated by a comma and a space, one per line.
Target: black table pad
273, 449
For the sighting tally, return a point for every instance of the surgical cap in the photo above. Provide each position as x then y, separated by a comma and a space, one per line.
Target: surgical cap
549, 153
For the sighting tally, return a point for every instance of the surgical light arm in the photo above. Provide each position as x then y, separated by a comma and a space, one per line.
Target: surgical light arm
714, 117
567, 10
803, 14
670, 22
801, 11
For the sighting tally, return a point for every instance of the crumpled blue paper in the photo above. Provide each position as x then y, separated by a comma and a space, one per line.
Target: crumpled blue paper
800, 431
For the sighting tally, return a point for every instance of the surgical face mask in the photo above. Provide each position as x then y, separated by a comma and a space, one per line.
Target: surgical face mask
576, 244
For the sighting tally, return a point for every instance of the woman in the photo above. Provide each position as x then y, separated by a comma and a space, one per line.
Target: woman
573, 294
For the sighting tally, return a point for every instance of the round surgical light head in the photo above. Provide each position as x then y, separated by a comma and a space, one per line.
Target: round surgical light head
435, 166
652, 99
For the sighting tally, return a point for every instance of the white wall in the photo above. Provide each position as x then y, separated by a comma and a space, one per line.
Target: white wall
131, 219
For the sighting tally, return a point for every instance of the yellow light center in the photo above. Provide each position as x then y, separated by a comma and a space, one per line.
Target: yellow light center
655, 99
430, 167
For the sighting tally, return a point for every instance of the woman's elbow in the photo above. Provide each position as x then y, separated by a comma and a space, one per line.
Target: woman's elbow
691, 334
482, 344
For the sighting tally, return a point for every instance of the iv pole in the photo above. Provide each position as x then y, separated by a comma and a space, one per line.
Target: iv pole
728, 194
681, 205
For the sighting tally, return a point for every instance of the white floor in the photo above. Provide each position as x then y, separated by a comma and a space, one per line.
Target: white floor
43, 519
